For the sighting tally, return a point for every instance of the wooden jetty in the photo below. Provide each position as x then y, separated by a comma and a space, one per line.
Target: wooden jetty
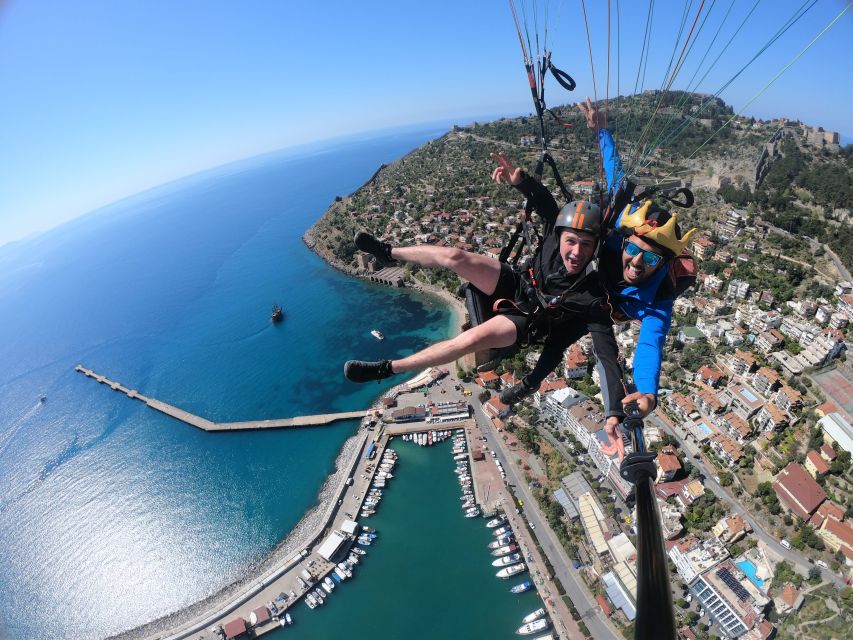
207, 425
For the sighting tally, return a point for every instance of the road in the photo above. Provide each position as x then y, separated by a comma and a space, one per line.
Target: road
737, 508
599, 626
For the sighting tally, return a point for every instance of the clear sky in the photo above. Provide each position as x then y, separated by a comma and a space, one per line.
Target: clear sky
104, 98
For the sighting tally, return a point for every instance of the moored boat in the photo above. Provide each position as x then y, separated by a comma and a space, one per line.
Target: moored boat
288, 619
496, 522
532, 627
310, 601
508, 572
501, 531
534, 616
502, 562
502, 551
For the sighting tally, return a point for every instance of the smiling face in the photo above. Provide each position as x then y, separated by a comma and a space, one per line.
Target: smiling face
576, 249
634, 269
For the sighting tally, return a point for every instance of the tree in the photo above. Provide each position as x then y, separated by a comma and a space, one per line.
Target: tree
814, 575
726, 478
692, 617
484, 396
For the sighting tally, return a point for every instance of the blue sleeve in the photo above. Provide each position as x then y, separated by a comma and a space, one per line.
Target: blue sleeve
610, 158
655, 325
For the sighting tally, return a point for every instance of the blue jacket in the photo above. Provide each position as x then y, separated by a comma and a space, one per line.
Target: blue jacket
639, 303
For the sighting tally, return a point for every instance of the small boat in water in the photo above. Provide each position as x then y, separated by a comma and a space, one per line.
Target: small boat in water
311, 601
521, 588
501, 531
376, 333
288, 619
539, 613
508, 572
357, 551
340, 573
496, 522
532, 627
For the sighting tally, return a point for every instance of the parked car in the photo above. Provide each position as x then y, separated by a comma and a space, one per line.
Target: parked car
785, 544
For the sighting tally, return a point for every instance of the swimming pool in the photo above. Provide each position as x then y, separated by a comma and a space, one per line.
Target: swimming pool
746, 393
749, 569
704, 428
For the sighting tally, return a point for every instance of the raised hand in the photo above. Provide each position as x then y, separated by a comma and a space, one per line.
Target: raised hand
505, 171
595, 119
616, 446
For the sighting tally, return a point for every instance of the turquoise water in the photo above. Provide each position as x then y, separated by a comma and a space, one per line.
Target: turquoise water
112, 514
704, 428
428, 575
749, 569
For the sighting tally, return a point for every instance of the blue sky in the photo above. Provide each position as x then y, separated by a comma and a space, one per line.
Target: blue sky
102, 99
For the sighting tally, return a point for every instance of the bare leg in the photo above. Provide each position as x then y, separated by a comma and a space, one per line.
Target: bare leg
496, 332
479, 270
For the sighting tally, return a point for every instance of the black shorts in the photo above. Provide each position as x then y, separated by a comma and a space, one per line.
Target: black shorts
511, 286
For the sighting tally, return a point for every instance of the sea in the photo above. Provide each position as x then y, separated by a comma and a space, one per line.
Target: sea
111, 514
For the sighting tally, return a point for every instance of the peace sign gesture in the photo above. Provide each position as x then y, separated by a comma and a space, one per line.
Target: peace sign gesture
595, 119
505, 171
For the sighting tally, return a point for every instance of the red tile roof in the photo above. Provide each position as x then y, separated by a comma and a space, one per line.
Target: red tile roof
789, 594
827, 452
798, 491
234, 628
668, 462
552, 385
605, 608
818, 462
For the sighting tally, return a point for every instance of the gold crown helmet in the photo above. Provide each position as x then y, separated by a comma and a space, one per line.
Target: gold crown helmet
666, 235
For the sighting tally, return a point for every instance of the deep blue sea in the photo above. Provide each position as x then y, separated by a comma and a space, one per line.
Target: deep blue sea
112, 514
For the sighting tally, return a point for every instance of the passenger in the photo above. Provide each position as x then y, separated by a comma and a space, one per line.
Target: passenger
635, 261
563, 276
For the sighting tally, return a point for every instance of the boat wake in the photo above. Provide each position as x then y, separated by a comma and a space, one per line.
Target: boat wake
7, 437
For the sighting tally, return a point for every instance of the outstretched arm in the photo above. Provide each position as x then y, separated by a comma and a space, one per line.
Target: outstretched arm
597, 121
647, 359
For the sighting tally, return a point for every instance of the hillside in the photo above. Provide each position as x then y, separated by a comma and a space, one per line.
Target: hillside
781, 172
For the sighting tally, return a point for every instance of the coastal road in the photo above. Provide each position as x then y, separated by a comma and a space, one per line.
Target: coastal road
737, 508
598, 625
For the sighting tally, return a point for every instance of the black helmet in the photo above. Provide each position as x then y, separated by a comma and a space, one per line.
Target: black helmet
580, 215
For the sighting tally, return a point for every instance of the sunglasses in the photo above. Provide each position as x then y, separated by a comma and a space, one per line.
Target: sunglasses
650, 258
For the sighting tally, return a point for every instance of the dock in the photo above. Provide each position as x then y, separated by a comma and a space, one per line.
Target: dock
207, 425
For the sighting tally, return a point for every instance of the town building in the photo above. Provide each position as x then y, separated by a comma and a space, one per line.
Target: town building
692, 556
838, 431
730, 529
815, 465
743, 400
730, 599
838, 536
797, 491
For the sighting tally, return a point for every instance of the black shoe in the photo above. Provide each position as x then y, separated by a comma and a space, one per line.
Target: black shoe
378, 249
363, 371
516, 393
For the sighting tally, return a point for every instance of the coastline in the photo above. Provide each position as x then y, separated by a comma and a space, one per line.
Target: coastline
180, 622
304, 532
454, 304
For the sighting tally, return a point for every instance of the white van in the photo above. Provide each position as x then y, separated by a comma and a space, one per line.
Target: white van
821, 563
785, 544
